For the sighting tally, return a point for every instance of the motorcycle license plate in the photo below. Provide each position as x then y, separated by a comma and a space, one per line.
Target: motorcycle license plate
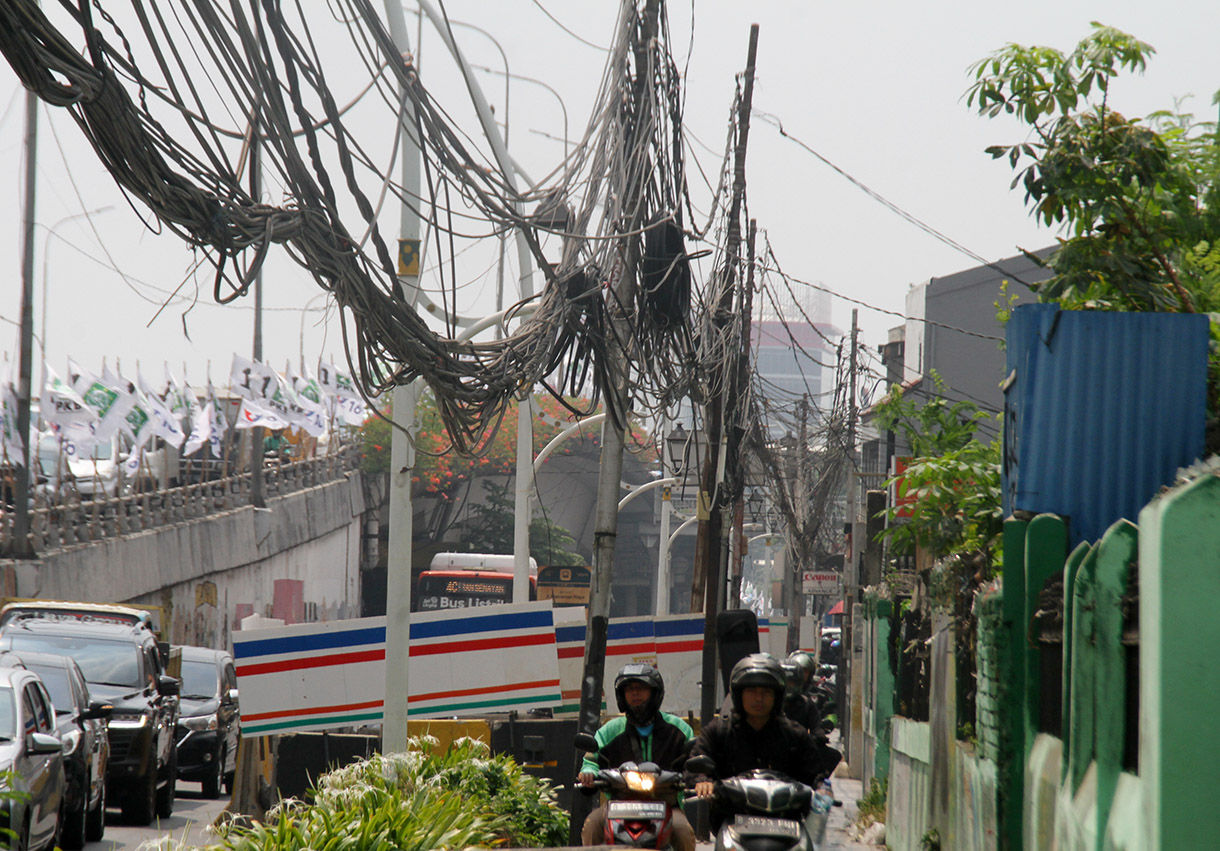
768, 826
637, 809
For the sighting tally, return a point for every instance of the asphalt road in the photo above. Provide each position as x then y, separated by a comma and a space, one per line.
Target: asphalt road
192, 815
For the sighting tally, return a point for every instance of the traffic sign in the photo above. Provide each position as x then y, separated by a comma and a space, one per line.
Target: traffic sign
820, 581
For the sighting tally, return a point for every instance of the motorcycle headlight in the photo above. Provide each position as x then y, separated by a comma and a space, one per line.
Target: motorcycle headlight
198, 723
128, 720
638, 782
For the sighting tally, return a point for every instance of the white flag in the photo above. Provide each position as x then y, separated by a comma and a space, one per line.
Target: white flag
337, 381
201, 428
177, 400
220, 423
306, 413
61, 405
252, 380
349, 410
10, 435
109, 402
164, 422
253, 415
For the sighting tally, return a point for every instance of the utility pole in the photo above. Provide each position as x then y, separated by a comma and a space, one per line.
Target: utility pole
796, 546
850, 565
740, 393
402, 451
257, 498
707, 586
627, 177
21, 520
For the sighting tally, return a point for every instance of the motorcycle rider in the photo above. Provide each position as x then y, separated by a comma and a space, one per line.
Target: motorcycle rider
643, 733
756, 734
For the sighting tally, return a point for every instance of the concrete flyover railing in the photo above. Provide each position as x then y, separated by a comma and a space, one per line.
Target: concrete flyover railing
78, 521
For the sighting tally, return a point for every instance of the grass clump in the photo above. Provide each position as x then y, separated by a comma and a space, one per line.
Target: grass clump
871, 806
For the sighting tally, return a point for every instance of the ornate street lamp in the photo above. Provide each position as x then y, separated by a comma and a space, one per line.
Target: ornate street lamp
677, 447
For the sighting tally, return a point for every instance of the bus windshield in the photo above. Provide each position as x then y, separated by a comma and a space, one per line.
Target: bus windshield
458, 589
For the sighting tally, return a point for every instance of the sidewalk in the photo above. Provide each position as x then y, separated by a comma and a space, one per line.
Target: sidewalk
838, 833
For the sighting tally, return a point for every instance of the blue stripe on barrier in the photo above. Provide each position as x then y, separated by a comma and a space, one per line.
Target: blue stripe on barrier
482, 623
631, 629
691, 626
329, 640
569, 634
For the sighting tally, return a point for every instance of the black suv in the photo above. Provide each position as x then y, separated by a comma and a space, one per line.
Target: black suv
209, 721
124, 667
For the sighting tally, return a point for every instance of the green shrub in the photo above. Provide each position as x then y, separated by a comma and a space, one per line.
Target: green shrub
420, 800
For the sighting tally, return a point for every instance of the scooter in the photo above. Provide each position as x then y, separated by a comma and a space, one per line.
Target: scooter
769, 811
639, 814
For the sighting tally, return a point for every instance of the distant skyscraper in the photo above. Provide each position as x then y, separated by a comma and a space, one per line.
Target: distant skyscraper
795, 348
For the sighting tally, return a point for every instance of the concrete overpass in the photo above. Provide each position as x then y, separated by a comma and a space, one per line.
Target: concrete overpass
205, 555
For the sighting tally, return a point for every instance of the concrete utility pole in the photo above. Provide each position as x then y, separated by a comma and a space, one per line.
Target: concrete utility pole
402, 452
800, 500
257, 498
707, 591
21, 547
628, 175
851, 570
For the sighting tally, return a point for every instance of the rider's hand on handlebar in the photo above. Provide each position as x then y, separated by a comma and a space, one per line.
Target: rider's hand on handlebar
703, 788
586, 779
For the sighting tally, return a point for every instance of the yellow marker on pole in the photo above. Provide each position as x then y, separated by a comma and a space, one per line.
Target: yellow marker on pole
408, 257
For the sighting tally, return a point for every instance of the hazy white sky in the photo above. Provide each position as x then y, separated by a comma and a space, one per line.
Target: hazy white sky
877, 88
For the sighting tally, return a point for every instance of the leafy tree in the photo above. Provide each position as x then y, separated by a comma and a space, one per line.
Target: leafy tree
491, 531
1136, 198
953, 477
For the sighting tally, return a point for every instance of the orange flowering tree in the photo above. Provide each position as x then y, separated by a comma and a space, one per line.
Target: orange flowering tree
439, 469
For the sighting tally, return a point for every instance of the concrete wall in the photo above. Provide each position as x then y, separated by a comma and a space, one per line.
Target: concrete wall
210, 570
975, 825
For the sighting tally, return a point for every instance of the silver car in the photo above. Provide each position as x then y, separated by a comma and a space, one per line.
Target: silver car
31, 762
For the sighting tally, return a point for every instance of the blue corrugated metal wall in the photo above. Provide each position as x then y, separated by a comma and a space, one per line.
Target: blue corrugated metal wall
1100, 410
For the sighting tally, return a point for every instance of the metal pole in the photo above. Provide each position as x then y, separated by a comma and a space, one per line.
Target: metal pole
257, 497
667, 509
21, 544
402, 451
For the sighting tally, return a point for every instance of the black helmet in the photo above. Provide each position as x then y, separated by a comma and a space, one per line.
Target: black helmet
757, 669
792, 678
640, 672
805, 661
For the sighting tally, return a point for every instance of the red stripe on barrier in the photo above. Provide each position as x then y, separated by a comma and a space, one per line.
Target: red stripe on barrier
629, 649
313, 710
570, 652
482, 644
469, 692
310, 662
680, 646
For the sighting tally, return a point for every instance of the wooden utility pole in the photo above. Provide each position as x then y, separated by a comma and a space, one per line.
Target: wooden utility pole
708, 581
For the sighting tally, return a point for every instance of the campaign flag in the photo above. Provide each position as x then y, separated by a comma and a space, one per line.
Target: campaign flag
220, 423
253, 415
108, 402
303, 411
61, 405
202, 427
252, 380
164, 422
10, 435
336, 381
178, 400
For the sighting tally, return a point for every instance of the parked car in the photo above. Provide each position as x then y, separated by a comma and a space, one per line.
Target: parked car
208, 720
80, 723
33, 755
122, 665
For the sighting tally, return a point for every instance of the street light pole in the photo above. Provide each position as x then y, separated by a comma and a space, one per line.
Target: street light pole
46, 258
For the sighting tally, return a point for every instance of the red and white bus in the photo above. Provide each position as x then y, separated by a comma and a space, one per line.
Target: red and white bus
463, 580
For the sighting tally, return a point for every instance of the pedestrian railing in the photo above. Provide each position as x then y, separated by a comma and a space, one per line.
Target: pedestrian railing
72, 519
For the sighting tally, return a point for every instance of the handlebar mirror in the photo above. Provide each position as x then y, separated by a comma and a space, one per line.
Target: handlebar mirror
701, 765
585, 742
